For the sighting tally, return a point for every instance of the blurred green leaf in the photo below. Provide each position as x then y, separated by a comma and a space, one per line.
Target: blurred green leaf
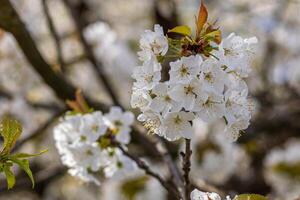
250, 197
10, 177
24, 164
290, 169
10, 130
26, 155
132, 187
182, 30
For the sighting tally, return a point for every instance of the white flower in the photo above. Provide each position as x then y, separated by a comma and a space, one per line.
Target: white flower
152, 121
140, 98
185, 69
93, 126
212, 76
197, 87
154, 42
234, 130
84, 175
120, 122
177, 125
186, 93
236, 105
235, 53
120, 165
67, 131
237, 112
198, 195
87, 156
162, 102
78, 140
209, 106
148, 75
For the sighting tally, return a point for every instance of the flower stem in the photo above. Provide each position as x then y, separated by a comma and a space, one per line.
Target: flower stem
186, 167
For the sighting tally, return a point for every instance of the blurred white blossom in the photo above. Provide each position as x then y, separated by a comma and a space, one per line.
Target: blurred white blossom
84, 143
282, 170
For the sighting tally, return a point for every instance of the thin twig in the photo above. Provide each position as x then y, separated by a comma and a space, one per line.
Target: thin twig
174, 171
89, 52
54, 34
141, 164
186, 167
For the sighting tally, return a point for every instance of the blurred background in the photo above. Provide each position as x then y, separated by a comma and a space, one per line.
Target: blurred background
86, 40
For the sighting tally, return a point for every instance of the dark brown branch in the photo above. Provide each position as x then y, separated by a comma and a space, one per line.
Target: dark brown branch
141, 164
186, 167
55, 35
80, 25
11, 22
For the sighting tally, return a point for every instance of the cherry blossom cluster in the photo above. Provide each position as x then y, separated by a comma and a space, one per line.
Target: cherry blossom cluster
210, 87
86, 144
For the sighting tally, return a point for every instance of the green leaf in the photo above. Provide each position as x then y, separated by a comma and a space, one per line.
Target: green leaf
10, 177
250, 197
26, 155
10, 130
215, 36
182, 30
24, 164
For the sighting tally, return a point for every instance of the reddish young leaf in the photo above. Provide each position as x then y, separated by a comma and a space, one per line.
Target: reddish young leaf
79, 104
202, 18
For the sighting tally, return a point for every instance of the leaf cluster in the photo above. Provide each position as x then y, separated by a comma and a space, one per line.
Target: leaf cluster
10, 131
202, 41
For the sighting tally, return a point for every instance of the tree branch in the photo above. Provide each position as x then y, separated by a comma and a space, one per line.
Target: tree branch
173, 169
80, 25
11, 22
55, 35
141, 164
186, 167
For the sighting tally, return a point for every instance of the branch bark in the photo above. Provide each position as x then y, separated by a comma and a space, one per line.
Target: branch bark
186, 167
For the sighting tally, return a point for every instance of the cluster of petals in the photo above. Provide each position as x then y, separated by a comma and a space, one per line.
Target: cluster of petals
199, 195
83, 141
209, 88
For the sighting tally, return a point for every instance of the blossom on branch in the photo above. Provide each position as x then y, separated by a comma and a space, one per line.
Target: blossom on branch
206, 80
86, 143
